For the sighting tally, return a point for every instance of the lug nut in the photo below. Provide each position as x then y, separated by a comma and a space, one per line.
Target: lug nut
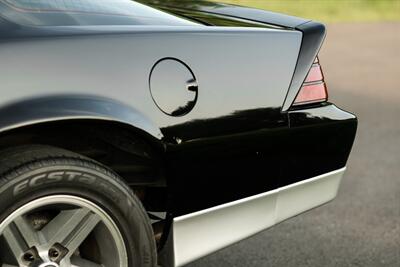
57, 252
28, 257
53, 253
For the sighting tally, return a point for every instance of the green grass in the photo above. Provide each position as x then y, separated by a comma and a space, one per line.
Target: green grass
330, 10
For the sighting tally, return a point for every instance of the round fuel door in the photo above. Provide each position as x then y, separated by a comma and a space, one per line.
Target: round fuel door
173, 87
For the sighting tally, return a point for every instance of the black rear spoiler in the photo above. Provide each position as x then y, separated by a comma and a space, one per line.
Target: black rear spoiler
313, 32
313, 37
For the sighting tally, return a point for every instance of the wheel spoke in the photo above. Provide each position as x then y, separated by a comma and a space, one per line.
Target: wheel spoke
31, 237
70, 228
82, 233
15, 242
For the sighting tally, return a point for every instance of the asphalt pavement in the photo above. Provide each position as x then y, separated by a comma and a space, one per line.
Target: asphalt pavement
362, 226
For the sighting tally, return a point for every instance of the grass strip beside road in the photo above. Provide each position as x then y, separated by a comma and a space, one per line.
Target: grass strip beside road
330, 10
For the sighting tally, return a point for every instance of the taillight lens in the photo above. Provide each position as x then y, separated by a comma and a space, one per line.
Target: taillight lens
314, 88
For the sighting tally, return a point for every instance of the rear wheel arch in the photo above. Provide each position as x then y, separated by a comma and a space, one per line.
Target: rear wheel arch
79, 122
52, 108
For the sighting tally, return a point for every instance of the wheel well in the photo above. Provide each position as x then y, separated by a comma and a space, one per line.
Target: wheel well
126, 150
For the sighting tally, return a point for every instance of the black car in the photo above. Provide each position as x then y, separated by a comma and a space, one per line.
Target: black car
154, 134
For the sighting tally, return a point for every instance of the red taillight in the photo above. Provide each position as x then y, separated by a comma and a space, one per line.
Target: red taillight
315, 74
314, 88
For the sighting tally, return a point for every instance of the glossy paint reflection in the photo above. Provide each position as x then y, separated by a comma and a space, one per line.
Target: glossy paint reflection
223, 166
229, 125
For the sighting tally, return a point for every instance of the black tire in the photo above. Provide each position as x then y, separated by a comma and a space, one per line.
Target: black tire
19, 166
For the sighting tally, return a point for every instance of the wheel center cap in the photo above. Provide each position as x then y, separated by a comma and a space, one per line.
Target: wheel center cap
47, 264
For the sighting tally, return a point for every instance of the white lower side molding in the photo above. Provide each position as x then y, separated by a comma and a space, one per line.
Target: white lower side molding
201, 233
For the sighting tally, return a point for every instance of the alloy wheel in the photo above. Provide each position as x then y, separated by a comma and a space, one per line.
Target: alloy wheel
61, 231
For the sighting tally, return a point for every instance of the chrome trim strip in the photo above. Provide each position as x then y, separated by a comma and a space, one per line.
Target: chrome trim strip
200, 233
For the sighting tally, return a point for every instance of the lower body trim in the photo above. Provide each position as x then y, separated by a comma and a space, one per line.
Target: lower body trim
198, 234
